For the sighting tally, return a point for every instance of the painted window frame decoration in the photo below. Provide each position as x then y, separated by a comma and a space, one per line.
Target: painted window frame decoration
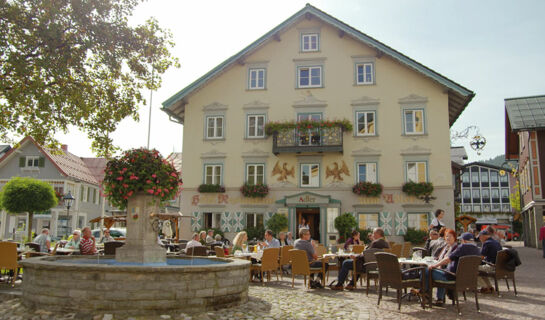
364, 217
310, 76
414, 119
366, 123
367, 173
419, 165
255, 134
254, 180
313, 181
307, 45
366, 72
215, 128
254, 76
214, 175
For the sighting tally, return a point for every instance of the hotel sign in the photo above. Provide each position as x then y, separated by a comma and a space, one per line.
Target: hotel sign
307, 198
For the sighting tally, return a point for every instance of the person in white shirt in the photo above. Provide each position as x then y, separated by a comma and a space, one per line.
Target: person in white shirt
194, 242
270, 241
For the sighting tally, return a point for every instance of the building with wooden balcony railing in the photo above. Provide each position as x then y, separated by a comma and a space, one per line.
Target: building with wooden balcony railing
308, 140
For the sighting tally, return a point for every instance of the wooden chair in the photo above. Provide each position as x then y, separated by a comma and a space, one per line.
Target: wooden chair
269, 263
357, 249
219, 252
199, 251
300, 265
396, 249
390, 275
465, 280
320, 251
407, 250
54, 251
500, 271
284, 259
423, 251
111, 246
8, 258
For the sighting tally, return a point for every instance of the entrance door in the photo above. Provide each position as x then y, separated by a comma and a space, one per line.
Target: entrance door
312, 218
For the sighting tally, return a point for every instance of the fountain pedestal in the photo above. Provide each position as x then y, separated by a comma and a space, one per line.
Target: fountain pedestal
141, 242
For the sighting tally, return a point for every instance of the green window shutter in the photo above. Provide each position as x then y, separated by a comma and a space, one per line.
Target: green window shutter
22, 162
41, 162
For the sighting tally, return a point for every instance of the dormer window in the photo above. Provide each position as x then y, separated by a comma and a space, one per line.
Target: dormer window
310, 42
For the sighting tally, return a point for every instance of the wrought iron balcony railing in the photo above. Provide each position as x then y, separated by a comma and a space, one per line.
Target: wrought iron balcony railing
308, 140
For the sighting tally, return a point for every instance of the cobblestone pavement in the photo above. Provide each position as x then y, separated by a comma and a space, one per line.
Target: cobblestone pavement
278, 300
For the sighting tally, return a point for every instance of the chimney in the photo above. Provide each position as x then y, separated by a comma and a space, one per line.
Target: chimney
64, 147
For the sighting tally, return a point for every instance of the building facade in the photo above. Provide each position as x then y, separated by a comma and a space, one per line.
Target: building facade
313, 67
525, 142
66, 172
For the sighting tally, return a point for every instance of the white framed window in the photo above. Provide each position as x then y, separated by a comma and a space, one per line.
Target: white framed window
256, 126
309, 77
310, 42
212, 173
418, 220
32, 161
254, 220
214, 127
310, 175
367, 172
211, 220
414, 121
365, 73
365, 122
367, 220
255, 173
256, 78
417, 171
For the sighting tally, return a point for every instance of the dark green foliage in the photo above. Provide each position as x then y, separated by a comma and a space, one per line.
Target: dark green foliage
418, 189
364, 235
255, 233
367, 189
345, 223
415, 236
254, 190
211, 188
277, 223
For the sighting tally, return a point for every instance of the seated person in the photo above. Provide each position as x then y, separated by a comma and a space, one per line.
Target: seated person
75, 241
194, 242
240, 241
433, 235
489, 252
282, 239
451, 245
106, 237
87, 243
43, 240
437, 245
270, 241
467, 248
353, 240
378, 243
303, 243
210, 237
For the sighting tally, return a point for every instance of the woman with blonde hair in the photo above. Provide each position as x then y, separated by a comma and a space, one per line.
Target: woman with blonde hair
239, 240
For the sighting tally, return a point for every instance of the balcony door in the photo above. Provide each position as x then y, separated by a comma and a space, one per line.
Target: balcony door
309, 137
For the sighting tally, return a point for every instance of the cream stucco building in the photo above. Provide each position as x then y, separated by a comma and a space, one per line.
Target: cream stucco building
315, 67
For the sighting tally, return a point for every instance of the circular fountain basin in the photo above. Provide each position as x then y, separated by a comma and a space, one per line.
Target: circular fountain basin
88, 284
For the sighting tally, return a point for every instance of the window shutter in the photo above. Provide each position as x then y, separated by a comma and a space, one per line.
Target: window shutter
22, 162
41, 162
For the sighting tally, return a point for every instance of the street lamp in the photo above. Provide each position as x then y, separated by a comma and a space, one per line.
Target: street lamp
68, 201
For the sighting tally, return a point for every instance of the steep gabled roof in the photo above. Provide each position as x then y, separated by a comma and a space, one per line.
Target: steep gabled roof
458, 96
66, 163
526, 113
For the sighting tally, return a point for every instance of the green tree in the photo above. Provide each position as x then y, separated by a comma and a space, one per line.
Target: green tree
514, 198
277, 223
77, 63
345, 223
27, 195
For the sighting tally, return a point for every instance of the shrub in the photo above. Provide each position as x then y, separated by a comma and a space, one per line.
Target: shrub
211, 188
345, 223
364, 235
255, 233
254, 190
277, 223
415, 236
367, 189
418, 189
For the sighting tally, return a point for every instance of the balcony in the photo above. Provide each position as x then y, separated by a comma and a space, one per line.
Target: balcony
308, 140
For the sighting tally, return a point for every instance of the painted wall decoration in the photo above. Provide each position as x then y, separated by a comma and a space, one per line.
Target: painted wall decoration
283, 172
232, 221
401, 223
196, 221
337, 172
386, 221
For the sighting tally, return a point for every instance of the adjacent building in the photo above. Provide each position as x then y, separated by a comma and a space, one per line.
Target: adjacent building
525, 142
66, 172
314, 67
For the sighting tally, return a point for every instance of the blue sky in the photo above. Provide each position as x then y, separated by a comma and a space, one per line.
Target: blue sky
495, 48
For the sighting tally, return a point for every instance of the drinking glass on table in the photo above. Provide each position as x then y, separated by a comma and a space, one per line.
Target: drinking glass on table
350, 248
244, 248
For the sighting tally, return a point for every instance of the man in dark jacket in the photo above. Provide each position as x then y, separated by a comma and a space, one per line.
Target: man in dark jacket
348, 264
489, 252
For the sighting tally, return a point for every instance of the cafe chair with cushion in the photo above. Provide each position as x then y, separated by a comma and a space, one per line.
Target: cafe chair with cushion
391, 275
501, 271
197, 251
284, 259
8, 258
300, 265
465, 279
357, 249
111, 246
269, 263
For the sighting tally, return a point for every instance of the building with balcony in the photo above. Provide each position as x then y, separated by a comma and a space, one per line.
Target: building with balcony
308, 78
525, 142
66, 172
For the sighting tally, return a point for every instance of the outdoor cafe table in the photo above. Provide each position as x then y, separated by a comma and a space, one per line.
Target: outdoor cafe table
65, 251
249, 255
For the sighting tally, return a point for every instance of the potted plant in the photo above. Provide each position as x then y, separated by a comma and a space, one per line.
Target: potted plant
345, 223
368, 189
254, 190
421, 190
140, 171
211, 188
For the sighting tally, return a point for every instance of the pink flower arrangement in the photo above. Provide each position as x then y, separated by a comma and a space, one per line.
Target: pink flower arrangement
254, 191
